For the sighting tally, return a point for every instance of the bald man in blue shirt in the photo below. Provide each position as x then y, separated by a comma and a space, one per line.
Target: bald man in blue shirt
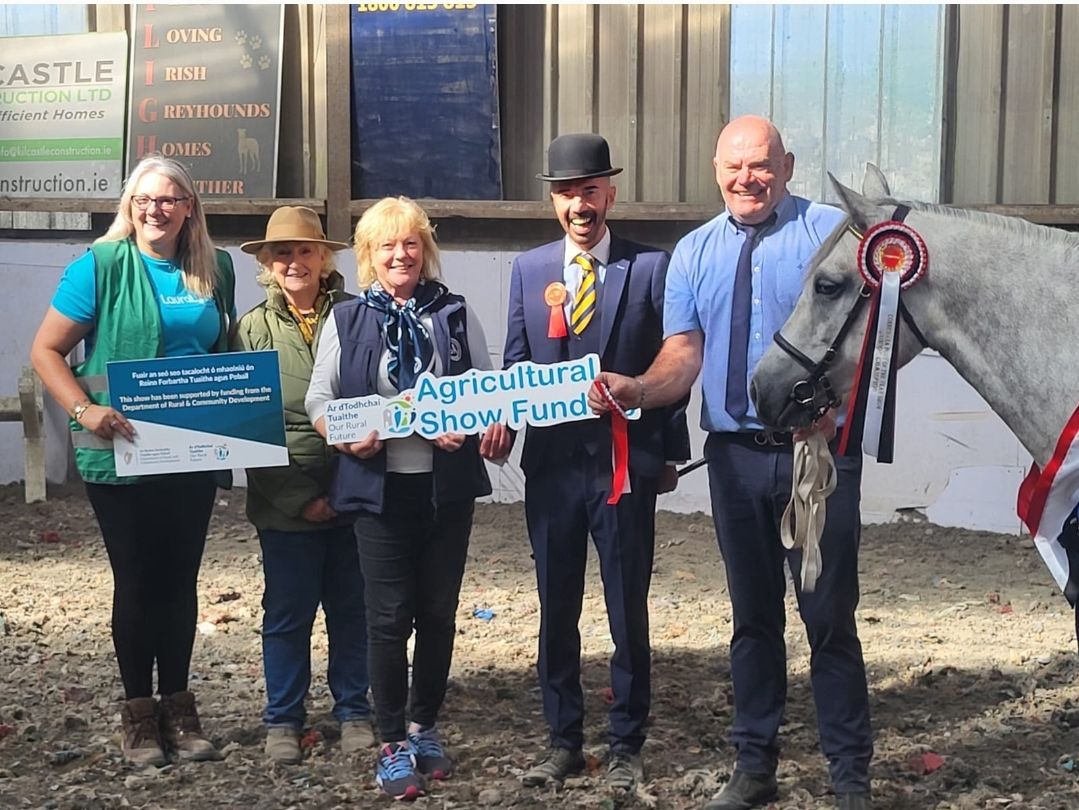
731, 284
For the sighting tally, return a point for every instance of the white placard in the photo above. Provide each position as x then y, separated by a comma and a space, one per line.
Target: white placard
525, 393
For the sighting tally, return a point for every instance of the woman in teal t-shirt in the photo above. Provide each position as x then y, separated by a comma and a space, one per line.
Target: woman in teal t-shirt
153, 285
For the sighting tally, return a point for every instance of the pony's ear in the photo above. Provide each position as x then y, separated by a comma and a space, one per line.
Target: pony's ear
863, 211
874, 184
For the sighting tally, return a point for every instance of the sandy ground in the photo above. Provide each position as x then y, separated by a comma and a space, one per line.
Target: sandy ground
973, 676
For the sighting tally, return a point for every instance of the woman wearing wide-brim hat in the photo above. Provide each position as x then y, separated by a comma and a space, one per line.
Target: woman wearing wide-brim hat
309, 552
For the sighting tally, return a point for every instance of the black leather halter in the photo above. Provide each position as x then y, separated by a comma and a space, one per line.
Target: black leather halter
815, 394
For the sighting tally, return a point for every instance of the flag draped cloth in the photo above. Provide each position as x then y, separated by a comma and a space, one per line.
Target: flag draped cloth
1048, 502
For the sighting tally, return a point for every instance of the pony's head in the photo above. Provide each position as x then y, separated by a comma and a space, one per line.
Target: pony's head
812, 364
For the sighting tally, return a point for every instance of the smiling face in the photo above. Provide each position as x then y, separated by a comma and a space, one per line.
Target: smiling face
398, 262
297, 269
581, 207
752, 168
157, 232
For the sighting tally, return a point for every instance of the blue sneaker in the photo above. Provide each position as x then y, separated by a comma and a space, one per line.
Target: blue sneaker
431, 759
396, 773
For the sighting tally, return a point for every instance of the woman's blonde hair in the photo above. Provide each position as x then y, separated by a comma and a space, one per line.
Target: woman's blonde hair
264, 258
194, 250
390, 218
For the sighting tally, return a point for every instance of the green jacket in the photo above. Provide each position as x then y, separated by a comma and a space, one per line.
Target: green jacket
276, 496
127, 326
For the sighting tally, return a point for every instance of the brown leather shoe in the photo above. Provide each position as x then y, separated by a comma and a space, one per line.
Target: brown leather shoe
181, 729
141, 742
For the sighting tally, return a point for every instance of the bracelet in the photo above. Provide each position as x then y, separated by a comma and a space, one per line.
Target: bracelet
79, 409
640, 382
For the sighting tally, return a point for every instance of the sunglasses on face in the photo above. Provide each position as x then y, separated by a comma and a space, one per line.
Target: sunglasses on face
166, 204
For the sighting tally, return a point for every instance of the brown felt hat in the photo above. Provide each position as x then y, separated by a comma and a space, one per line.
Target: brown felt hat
293, 223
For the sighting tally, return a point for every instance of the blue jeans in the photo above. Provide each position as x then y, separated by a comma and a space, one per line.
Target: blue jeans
303, 569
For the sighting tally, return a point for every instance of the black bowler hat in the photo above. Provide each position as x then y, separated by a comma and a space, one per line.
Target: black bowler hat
577, 157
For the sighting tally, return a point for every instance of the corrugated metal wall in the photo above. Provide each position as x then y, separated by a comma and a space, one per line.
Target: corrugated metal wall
652, 79
845, 86
1016, 105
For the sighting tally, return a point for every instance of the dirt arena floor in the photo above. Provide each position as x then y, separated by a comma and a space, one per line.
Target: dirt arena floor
973, 673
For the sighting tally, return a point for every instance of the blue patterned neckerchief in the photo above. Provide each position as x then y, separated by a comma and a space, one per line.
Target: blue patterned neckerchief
407, 339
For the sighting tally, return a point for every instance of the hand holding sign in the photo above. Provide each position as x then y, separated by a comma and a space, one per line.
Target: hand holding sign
496, 443
449, 441
625, 392
367, 447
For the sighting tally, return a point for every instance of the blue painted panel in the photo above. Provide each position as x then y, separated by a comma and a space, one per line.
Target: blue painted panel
425, 101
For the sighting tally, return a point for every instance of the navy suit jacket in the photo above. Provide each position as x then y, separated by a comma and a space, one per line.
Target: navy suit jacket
631, 332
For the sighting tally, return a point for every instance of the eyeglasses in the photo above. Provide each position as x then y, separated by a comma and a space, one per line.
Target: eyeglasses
166, 204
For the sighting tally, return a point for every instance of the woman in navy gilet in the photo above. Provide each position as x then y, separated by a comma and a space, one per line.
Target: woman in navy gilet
413, 497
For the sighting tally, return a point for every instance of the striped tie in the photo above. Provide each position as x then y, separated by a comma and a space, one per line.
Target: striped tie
584, 304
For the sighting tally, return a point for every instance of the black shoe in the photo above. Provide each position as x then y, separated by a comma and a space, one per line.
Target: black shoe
560, 763
853, 801
625, 771
745, 790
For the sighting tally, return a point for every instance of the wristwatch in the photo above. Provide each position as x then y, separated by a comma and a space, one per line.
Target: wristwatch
79, 409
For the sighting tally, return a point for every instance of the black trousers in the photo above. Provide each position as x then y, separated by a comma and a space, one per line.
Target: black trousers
750, 486
154, 532
413, 560
563, 505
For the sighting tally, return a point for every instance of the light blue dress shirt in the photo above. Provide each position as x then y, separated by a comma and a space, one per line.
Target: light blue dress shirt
700, 285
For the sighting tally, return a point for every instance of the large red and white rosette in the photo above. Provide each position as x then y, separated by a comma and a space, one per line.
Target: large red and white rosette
892, 256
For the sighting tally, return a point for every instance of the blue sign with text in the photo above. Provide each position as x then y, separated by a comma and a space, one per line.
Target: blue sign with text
204, 412
425, 101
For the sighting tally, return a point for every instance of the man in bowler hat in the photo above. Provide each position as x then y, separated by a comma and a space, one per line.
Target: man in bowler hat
592, 292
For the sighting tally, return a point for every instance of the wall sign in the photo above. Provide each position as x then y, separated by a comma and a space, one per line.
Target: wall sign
206, 90
425, 101
62, 115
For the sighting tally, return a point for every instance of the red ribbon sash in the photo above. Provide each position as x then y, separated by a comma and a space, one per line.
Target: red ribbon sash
619, 445
620, 451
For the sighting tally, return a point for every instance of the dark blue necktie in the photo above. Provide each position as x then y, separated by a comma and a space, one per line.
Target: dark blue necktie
741, 307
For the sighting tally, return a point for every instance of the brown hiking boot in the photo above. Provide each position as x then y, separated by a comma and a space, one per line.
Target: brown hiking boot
141, 742
181, 730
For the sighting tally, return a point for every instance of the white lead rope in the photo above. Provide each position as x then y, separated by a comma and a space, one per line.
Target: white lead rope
814, 479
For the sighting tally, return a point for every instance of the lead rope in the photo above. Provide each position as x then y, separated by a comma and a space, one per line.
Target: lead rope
814, 479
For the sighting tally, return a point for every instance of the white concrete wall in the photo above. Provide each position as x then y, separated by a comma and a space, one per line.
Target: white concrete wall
956, 464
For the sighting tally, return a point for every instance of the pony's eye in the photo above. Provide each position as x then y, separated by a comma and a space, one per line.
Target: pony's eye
827, 287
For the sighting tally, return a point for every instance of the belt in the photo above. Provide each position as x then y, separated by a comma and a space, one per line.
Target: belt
761, 438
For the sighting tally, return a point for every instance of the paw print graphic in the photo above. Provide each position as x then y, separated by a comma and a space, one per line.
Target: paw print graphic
241, 37
255, 43
245, 60
264, 62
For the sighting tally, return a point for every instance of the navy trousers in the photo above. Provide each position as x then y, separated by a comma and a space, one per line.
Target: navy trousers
563, 505
750, 486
